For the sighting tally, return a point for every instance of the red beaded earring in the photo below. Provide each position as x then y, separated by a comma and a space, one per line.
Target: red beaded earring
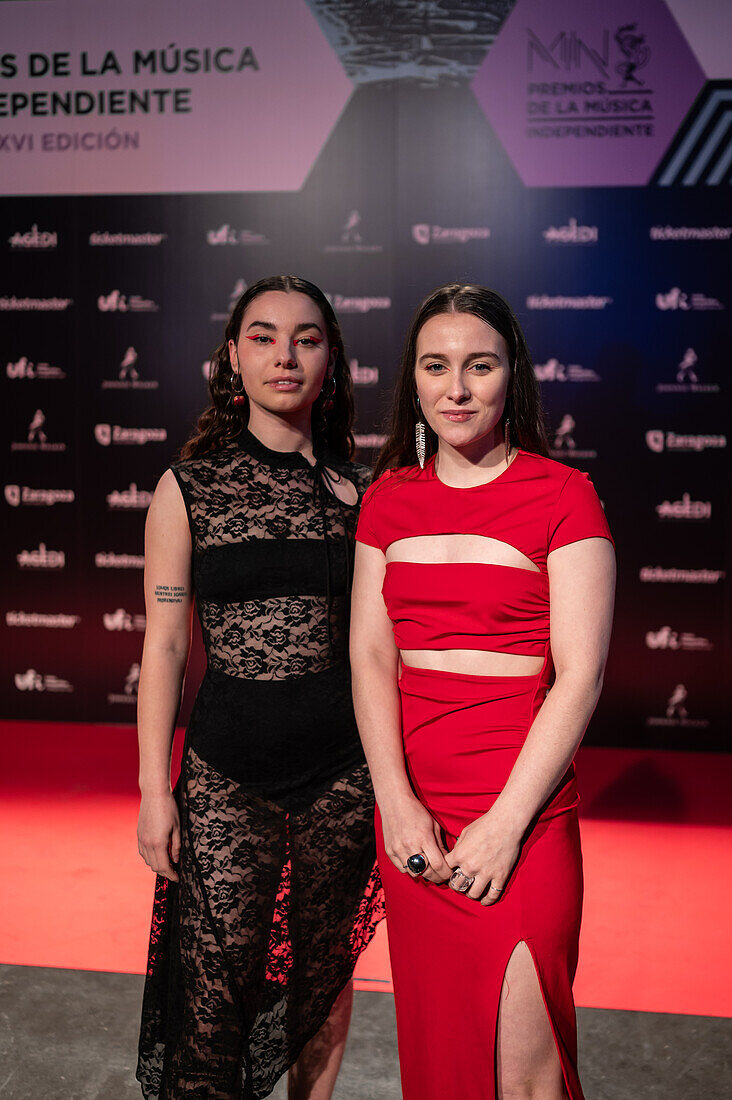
238, 397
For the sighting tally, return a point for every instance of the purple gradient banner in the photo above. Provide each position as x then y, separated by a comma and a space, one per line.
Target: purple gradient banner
98, 97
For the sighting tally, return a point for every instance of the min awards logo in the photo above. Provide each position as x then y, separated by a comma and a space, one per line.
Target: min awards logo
589, 96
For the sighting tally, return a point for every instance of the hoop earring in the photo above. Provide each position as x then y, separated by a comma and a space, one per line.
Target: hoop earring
238, 397
420, 439
507, 438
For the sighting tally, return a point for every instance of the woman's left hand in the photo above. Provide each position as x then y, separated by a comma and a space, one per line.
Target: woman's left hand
486, 852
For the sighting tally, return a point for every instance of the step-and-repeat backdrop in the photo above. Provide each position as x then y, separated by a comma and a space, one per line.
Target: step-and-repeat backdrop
156, 158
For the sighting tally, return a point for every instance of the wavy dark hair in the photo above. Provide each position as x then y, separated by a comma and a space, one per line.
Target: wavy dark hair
523, 400
222, 421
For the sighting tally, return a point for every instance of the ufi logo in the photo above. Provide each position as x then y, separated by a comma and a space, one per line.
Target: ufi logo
676, 298
123, 620
32, 680
666, 638
117, 302
26, 368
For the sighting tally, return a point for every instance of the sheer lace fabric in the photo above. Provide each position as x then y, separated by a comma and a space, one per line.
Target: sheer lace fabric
278, 890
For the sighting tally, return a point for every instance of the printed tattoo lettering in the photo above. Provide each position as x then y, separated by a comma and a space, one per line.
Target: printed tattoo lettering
170, 593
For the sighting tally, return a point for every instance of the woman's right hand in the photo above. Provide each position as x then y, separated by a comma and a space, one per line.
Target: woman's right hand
409, 829
158, 833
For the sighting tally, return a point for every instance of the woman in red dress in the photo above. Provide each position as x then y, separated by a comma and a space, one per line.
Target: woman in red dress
484, 577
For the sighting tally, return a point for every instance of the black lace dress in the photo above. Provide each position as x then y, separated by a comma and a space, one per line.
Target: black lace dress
278, 890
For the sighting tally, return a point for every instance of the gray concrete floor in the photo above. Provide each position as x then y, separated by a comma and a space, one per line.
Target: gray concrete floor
72, 1035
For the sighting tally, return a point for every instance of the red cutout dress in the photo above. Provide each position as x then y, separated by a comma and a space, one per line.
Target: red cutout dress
462, 735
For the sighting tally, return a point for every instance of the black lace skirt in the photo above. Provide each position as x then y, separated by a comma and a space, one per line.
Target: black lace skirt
250, 949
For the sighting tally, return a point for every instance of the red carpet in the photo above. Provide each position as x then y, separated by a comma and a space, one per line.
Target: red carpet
658, 863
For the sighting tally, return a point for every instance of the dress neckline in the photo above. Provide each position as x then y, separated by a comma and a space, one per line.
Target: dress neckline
472, 488
290, 460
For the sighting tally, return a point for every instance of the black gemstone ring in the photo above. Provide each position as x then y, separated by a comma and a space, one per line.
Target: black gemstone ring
417, 864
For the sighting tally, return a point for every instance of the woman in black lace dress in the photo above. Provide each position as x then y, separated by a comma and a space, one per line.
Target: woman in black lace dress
267, 890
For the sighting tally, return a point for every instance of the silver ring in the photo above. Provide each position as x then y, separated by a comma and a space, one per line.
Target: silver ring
464, 886
498, 889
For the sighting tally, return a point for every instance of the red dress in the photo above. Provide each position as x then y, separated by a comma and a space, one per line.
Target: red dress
462, 735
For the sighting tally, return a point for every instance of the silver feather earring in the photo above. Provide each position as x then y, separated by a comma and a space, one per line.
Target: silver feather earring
507, 438
420, 439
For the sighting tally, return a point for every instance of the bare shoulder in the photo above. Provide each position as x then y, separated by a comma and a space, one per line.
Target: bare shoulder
167, 508
167, 491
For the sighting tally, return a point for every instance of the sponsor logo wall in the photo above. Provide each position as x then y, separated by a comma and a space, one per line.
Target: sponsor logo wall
595, 222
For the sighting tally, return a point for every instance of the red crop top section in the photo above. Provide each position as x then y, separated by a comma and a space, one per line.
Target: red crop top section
536, 506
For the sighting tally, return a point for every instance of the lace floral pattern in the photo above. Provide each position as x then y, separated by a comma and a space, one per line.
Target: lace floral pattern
278, 893
282, 638
235, 503
272, 911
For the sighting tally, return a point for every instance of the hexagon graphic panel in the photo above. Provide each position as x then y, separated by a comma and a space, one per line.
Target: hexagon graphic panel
587, 95
175, 96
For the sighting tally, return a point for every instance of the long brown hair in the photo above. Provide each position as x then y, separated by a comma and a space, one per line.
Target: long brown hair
222, 421
523, 400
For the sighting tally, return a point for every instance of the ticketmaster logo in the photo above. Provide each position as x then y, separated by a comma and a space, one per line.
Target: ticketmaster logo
109, 560
658, 574
690, 232
43, 305
106, 434
562, 301
104, 238
657, 441
37, 619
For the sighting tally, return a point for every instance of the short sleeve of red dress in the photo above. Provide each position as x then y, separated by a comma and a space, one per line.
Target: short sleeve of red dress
578, 514
370, 523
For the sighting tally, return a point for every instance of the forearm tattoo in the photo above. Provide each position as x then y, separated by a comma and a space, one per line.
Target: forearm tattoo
170, 593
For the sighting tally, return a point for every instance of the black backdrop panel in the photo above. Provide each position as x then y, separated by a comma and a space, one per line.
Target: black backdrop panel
411, 189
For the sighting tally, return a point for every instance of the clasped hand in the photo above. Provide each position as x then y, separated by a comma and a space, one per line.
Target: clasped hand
483, 851
487, 854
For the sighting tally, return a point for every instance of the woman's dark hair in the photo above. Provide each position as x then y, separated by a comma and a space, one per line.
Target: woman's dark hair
222, 421
523, 400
